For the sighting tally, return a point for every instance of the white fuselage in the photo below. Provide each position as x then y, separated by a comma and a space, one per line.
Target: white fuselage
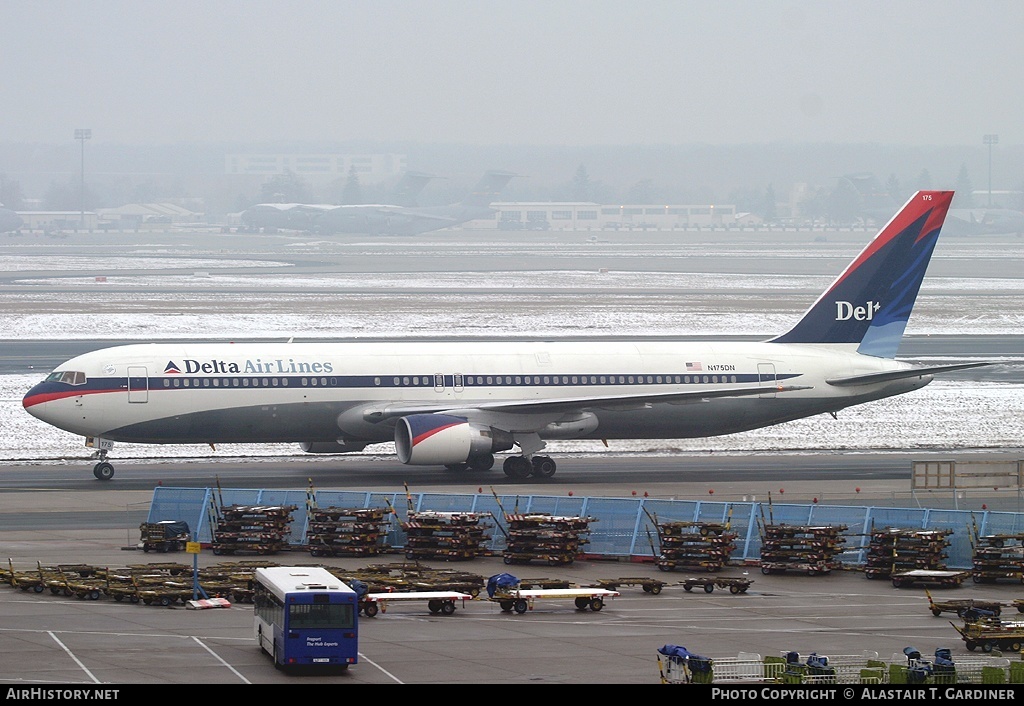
323, 392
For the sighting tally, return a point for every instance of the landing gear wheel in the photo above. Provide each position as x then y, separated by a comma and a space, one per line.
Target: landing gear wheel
543, 467
457, 467
481, 462
517, 467
103, 470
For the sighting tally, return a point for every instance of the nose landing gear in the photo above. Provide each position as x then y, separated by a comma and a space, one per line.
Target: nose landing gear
104, 470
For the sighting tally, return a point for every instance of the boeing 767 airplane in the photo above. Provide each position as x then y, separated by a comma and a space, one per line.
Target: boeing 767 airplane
458, 404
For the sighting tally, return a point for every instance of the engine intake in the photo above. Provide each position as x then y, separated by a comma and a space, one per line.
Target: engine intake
443, 439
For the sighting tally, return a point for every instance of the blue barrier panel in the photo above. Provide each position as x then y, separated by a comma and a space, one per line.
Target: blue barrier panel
623, 527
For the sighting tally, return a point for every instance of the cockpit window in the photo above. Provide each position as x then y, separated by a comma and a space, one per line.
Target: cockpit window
71, 377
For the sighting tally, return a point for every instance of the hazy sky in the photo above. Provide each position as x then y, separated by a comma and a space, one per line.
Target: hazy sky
543, 72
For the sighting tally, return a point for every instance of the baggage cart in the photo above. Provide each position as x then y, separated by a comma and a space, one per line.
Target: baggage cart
708, 583
438, 602
164, 536
521, 600
967, 608
925, 577
652, 586
992, 634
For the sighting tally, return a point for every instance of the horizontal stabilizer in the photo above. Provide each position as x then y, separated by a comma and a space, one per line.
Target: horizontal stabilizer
872, 378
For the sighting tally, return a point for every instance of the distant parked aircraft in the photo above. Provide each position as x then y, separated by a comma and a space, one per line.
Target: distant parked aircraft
296, 216
378, 219
9, 220
984, 221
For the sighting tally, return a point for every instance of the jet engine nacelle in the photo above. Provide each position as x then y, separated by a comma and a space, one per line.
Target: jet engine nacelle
332, 447
442, 439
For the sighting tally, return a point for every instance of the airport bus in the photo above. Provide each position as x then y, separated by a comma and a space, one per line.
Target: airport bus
305, 617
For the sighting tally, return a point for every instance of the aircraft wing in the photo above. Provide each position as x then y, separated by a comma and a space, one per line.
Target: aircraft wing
872, 378
413, 213
581, 404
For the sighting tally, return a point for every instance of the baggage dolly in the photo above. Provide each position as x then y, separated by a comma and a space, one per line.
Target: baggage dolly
522, 600
442, 602
735, 585
969, 609
652, 586
927, 577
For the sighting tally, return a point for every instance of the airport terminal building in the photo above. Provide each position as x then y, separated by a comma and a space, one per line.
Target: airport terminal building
583, 215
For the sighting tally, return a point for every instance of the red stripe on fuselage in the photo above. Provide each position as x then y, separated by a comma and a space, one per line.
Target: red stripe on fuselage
33, 400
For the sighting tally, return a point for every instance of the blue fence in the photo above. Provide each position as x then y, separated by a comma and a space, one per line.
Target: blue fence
620, 527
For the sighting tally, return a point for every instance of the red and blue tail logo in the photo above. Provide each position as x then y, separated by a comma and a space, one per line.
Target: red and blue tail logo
171, 368
869, 304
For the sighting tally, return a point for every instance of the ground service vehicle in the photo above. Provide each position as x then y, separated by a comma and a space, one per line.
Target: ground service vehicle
305, 618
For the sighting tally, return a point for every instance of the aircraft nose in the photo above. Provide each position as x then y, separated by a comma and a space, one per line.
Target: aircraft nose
35, 401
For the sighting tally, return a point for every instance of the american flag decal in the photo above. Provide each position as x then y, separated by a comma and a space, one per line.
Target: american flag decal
693, 366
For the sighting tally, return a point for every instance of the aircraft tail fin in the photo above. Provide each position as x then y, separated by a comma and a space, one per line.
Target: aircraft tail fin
409, 187
488, 189
869, 304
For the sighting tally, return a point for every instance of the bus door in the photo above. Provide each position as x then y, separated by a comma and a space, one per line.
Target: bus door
138, 384
765, 377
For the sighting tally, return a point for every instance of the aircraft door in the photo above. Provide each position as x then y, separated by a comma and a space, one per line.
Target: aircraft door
766, 376
138, 384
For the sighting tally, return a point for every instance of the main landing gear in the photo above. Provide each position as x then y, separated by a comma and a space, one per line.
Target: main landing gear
476, 462
519, 467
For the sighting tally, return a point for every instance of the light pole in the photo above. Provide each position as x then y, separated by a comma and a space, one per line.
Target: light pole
990, 140
82, 134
